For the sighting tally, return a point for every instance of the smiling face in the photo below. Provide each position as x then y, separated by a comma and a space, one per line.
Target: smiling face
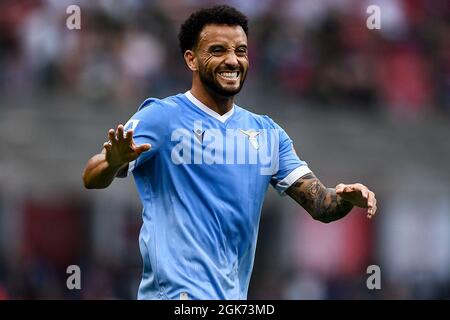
221, 59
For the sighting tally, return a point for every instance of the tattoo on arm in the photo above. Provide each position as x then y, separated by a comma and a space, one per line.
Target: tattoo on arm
322, 203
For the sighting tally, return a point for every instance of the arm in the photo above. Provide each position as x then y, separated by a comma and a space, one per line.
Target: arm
113, 161
330, 204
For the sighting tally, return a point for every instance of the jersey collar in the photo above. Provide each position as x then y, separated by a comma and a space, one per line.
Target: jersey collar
204, 108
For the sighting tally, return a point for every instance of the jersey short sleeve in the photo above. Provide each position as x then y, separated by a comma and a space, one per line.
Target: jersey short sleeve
290, 167
149, 125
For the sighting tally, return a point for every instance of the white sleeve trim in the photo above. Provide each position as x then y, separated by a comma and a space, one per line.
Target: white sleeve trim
297, 173
131, 167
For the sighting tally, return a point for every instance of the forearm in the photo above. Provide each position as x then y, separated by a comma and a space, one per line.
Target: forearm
322, 203
329, 206
98, 173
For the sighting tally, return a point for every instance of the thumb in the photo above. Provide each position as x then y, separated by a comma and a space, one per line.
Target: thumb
142, 148
340, 188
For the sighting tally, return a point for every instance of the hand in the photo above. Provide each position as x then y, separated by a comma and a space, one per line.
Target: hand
121, 149
359, 195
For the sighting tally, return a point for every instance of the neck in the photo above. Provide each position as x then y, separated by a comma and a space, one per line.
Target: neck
217, 103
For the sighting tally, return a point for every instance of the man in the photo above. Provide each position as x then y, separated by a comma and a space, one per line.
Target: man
202, 166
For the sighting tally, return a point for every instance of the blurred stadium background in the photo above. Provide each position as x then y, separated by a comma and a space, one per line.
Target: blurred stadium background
361, 105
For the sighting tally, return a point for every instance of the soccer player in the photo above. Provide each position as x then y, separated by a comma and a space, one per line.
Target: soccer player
202, 166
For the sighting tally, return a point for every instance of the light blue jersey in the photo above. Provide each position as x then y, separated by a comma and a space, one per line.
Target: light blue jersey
202, 186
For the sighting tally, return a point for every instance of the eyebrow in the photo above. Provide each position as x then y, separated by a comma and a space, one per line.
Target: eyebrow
215, 45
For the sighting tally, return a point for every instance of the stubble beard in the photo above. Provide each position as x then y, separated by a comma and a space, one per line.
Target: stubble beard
211, 85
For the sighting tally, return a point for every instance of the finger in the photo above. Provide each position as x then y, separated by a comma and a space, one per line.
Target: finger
142, 148
371, 211
129, 135
112, 136
107, 145
120, 136
364, 191
370, 199
374, 208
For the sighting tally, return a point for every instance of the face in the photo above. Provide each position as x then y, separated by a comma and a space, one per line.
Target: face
222, 59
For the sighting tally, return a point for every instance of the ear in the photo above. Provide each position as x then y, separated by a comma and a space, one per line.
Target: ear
190, 59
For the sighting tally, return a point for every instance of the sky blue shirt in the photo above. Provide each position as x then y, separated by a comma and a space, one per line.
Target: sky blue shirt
202, 187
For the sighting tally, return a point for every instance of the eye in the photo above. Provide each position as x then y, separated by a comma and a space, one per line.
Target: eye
241, 51
217, 50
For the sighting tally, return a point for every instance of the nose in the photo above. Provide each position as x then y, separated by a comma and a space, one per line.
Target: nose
231, 60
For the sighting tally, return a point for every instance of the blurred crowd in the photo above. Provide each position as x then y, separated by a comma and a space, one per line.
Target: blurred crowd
318, 50
321, 52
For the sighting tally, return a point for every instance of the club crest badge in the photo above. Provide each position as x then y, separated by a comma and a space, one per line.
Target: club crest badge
252, 137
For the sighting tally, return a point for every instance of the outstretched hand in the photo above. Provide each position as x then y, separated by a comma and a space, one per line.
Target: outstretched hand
359, 195
121, 148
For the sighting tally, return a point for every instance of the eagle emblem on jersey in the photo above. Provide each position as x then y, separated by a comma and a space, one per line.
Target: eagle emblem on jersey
252, 134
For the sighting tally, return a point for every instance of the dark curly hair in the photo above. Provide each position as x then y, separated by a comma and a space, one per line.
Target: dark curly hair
191, 28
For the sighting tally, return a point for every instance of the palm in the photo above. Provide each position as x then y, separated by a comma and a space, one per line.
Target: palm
121, 149
122, 152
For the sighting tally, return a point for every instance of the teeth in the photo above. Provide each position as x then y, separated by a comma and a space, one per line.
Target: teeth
229, 75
